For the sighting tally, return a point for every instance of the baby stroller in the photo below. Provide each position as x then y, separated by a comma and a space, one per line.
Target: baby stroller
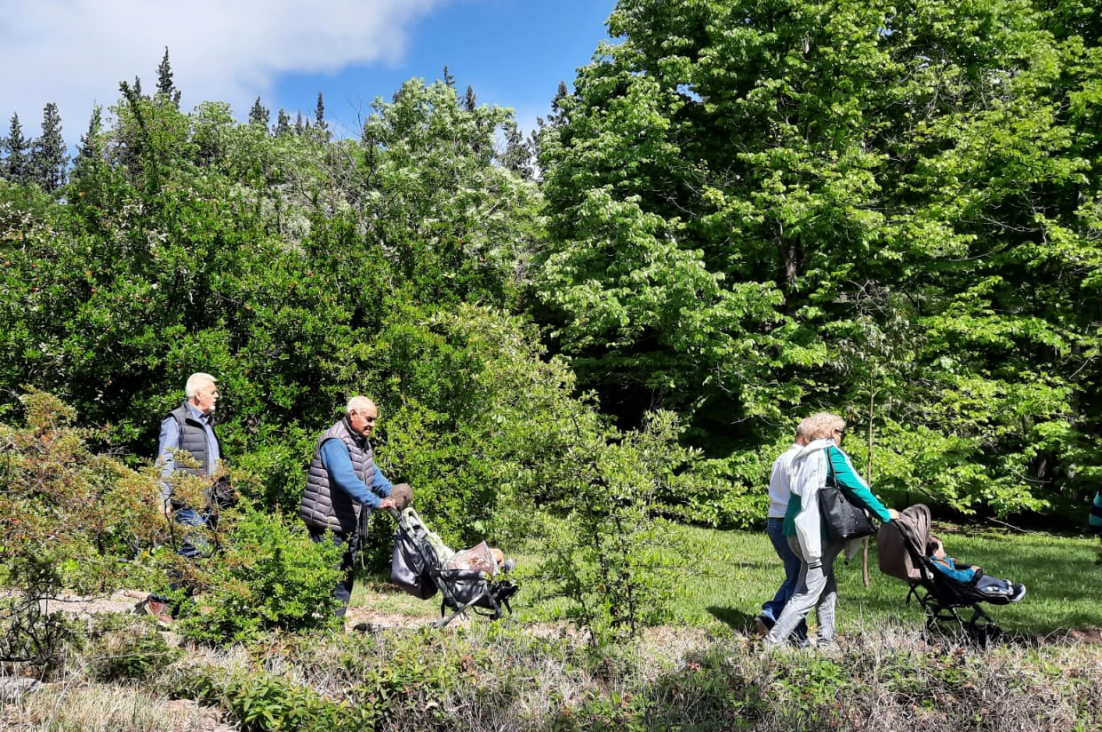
901, 546
422, 564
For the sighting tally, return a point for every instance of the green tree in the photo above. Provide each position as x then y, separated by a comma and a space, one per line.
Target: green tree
49, 159
259, 114
518, 152
728, 184
320, 125
17, 163
166, 87
283, 124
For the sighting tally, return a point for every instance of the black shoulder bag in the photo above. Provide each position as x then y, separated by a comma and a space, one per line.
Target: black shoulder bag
842, 520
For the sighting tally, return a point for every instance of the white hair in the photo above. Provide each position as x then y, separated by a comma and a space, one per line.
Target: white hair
195, 382
358, 404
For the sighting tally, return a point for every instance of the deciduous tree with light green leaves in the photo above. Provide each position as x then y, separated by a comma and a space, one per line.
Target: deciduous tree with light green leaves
891, 211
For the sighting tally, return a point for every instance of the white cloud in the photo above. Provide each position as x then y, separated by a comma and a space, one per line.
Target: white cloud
75, 52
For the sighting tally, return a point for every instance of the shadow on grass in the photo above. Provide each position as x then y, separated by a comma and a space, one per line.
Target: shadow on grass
732, 618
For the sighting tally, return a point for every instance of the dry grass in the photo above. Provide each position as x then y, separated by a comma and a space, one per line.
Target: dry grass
73, 705
482, 677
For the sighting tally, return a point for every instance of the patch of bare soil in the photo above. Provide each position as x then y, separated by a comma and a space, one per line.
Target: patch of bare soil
130, 601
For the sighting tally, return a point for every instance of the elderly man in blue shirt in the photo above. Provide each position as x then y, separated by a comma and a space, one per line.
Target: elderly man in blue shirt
343, 486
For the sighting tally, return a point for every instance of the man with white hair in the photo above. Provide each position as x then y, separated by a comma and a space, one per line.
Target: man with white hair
344, 486
190, 428
187, 429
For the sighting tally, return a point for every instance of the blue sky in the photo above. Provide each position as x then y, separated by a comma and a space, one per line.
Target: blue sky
75, 52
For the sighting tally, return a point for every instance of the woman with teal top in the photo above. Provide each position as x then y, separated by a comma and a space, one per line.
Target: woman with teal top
816, 588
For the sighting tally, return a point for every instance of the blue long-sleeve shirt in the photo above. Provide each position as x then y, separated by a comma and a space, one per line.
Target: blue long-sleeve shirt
949, 567
337, 460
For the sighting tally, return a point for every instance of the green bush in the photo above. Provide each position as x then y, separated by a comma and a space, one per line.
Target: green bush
607, 550
269, 576
265, 703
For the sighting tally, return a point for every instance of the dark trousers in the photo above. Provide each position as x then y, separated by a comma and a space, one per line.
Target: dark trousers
351, 544
192, 544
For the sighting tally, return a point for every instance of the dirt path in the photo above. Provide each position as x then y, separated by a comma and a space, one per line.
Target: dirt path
125, 601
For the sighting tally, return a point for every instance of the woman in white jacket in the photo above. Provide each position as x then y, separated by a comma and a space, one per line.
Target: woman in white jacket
811, 467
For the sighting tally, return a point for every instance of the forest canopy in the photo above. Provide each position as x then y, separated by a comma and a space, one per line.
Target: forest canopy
737, 215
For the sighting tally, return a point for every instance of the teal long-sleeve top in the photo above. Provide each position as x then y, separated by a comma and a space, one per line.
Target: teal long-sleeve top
337, 460
852, 484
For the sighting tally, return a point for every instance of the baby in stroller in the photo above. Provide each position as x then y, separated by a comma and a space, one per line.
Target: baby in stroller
474, 579
971, 574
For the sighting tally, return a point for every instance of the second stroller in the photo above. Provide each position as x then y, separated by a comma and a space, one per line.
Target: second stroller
903, 547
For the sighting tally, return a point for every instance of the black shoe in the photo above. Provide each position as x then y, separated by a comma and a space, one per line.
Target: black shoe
763, 624
1018, 592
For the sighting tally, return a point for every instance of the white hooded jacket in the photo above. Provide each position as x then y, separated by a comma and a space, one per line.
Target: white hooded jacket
808, 473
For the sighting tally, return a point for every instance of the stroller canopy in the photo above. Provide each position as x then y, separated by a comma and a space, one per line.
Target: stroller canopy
901, 541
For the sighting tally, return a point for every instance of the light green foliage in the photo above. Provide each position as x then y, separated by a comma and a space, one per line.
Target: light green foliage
455, 224
891, 211
606, 549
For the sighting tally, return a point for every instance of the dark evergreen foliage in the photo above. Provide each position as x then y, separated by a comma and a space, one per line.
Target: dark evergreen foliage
49, 157
283, 124
17, 161
259, 114
166, 87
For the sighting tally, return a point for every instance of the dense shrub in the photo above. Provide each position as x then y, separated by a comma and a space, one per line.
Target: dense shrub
270, 575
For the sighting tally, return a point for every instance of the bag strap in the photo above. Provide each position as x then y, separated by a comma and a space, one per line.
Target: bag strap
831, 479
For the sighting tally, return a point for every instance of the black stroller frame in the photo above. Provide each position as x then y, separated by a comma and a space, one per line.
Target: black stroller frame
425, 556
901, 546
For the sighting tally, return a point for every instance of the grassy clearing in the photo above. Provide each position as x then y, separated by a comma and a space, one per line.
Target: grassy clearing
733, 572
699, 672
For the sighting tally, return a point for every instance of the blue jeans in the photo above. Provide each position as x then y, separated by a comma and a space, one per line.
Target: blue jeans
773, 608
194, 544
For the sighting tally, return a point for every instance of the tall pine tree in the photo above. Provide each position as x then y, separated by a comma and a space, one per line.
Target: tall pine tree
49, 158
259, 114
283, 124
16, 166
90, 152
320, 124
166, 88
